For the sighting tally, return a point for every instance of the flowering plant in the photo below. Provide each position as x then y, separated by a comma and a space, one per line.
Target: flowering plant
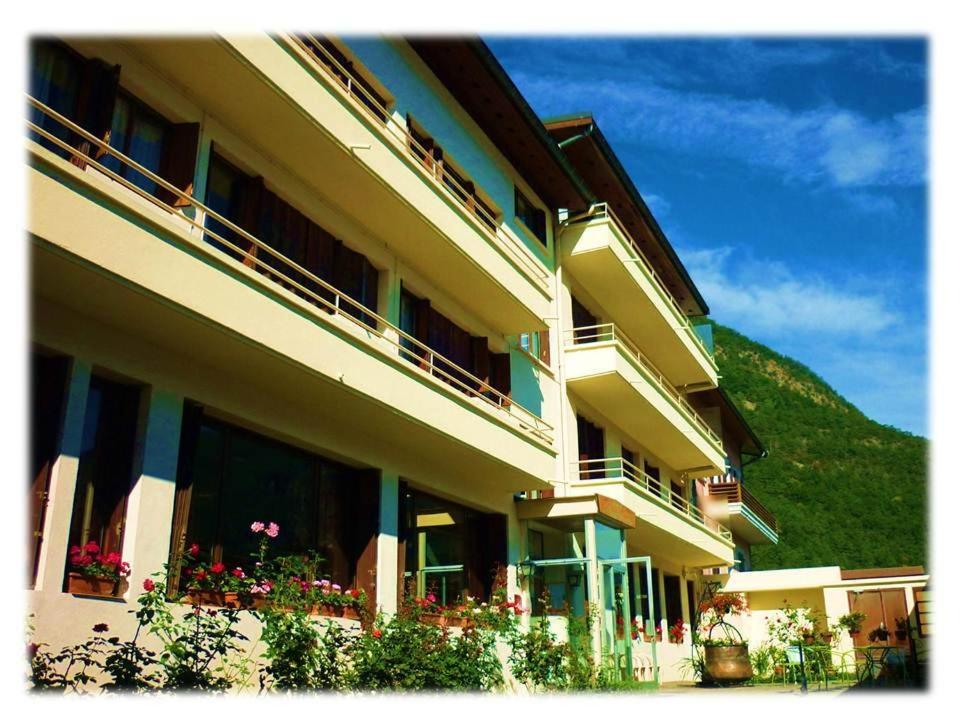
714, 612
89, 561
791, 627
213, 576
677, 632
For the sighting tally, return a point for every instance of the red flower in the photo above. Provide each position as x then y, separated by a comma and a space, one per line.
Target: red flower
354, 593
92, 547
200, 575
113, 558
238, 573
85, 560
149, 585
377, 633
218, 568
194, 550
100, 627
75, 550
188, 572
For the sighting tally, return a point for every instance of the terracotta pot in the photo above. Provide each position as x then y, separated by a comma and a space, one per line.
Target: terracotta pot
827, 637
728, 663
433, 619
78, 584
350, 613
216, 598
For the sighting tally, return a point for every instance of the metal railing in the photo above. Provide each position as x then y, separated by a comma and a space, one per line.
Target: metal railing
735, 492
426, 360
617, 468
603, 210
610, 333
439, 176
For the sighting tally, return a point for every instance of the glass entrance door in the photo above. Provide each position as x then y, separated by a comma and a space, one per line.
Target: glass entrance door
627, 619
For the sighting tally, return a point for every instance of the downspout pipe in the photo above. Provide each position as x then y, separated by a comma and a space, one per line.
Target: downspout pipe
579, 136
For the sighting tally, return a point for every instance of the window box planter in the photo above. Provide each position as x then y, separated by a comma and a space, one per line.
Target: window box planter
217, 598
444, 621
86, 585
349, 613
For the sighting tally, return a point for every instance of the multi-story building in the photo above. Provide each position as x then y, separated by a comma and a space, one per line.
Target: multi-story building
356, 287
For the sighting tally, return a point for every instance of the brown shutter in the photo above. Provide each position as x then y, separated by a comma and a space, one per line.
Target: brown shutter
480, 360
422, 328
500, 374
95, 103
179, 162
365, 500
543, 337
189, 435
250, 197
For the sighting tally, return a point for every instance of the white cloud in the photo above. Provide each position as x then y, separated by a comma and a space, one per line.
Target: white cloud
766, 299
659, 205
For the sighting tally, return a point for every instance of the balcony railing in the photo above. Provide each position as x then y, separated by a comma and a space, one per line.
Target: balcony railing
434, 173
290, 277
603, 210
609, 333
735, 492
617, 468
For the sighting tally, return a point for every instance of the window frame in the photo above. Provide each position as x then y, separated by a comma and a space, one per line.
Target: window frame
519, 198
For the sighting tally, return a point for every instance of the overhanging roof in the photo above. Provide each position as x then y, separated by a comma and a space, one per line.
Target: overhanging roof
599, 166
471, 73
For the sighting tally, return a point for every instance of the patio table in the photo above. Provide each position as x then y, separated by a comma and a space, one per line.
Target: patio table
876, 657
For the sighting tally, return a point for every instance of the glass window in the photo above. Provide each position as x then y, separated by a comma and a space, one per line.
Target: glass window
55, 73
530, 215
140, 133
237, 477
105, 470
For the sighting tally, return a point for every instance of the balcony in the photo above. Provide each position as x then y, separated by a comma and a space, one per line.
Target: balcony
667, 524
601, 256
355, 156
607, 371
746, 515
151, 275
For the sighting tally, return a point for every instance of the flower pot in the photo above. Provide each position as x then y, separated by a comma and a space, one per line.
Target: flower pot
727, 663
827, 637
433, 619
325, 610
216, 598
79, 584
350, 613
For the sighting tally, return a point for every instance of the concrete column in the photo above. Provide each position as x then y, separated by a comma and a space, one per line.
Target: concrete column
63, 482
663, 605
388, 291
146, 535
593, 586
387, 542
686, 612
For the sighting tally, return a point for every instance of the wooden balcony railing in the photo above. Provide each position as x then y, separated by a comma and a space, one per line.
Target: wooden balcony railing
617, 468
330, 302
603, 210
735, 492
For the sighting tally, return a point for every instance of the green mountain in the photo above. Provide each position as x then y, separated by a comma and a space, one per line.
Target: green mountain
846, 490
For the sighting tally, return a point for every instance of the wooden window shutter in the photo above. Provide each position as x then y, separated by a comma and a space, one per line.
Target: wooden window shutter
250, 199
189, 434
500, 374
544, 343
480, 359
421, 327
365, 496
179, 162
98, 95
371, 291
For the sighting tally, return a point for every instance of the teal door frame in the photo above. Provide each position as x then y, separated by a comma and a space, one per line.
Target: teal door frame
607, 570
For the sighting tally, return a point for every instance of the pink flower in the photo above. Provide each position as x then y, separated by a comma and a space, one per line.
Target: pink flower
123, 569
257, 527
92, 547
335, 587
273, 530
431, 597
149, 585
238, 573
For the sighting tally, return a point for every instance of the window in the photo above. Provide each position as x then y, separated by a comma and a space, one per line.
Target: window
231, 477
449, 549
105, 470
653, 473
469, 352
645, 592
55, 75
671, 598
591, 449
48, 384
277, 224
537, 343
530, 215
584, 323
140, 133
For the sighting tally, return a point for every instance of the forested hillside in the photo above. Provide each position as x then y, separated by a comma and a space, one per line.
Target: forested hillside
847, 491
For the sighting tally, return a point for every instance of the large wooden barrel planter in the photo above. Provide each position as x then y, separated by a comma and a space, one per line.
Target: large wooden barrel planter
727, 663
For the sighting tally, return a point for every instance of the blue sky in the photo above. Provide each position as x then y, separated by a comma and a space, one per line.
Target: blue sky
791, 176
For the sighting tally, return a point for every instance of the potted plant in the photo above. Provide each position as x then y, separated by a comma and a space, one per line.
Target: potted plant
903, 628
94, 573
852, 623
879, 634
211, 584
726, 656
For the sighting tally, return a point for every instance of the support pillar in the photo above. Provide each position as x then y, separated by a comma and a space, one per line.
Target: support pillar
387, 546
